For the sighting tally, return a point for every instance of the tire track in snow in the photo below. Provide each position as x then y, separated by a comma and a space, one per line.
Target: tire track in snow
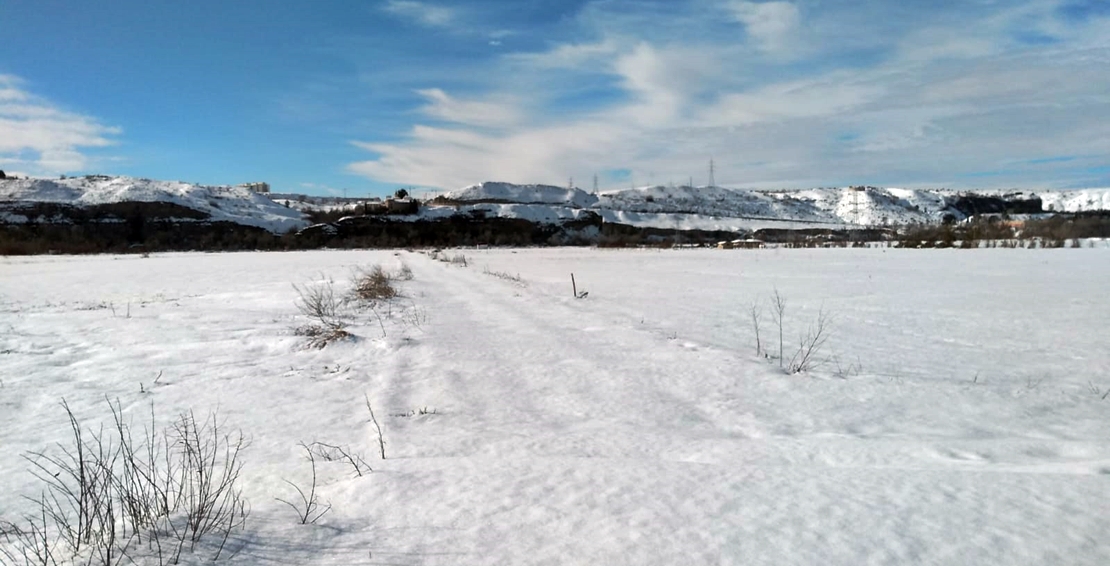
527, 374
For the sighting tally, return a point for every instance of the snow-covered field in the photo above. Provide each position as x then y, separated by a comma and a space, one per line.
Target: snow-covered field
958, 423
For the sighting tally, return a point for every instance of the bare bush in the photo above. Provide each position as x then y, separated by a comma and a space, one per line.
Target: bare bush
853, 368
308, 509
208, 467
404, 273
320, 303
105, 494
333, 453
504, 275
810, 343
415, 317
1097, 392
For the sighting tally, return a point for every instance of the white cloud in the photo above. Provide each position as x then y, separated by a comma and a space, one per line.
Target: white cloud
945, 99
827, 96
38, 136
492, 113
422, 13
568, 55
773, 25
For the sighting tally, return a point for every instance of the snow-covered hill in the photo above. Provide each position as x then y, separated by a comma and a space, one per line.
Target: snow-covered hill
1076, 201
219, 203
524, 194
681, 208
722, 208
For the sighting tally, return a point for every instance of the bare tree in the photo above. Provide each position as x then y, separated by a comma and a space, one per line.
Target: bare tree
373, 419
778, 309
756, 313
811, 342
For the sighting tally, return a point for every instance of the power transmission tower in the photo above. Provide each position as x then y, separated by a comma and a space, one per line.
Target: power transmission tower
595, 183
712, 171
855, 203
570, 183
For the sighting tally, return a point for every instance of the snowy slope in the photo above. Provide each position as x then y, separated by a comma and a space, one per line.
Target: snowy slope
742, 209
541, 213
710, 201
221, 203
683, 208
871, 206
523, 194
1076, 201
636, 426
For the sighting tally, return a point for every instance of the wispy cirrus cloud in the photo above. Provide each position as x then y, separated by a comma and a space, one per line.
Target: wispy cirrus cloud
878, 93
422, 13
41, 138
490, 113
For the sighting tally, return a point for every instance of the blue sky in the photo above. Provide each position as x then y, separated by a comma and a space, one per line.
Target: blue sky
365, 97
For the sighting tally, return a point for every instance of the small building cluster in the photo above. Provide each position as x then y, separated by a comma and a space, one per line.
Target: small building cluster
743, 244
392, 205
263, 188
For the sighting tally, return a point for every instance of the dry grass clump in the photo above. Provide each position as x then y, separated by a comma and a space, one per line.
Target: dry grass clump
374, 285
320, 336
405, 273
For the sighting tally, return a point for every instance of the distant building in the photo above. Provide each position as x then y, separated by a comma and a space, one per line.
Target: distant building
746, 244
401, 205
263, 188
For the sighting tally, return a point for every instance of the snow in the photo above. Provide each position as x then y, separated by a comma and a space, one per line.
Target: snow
221, 203
1077, 200
713, 208
533, 212
524, 194
636, 426
671, 207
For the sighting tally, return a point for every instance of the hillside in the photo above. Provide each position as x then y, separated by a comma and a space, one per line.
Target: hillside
180, 212
213, 203
739, 209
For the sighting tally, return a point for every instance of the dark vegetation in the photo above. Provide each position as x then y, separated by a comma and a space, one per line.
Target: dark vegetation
974, 205
162, 226
1056, 230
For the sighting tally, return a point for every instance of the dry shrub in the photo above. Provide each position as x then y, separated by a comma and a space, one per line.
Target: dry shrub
374, 285
140, 495
320, 336
319, 303
405, 273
